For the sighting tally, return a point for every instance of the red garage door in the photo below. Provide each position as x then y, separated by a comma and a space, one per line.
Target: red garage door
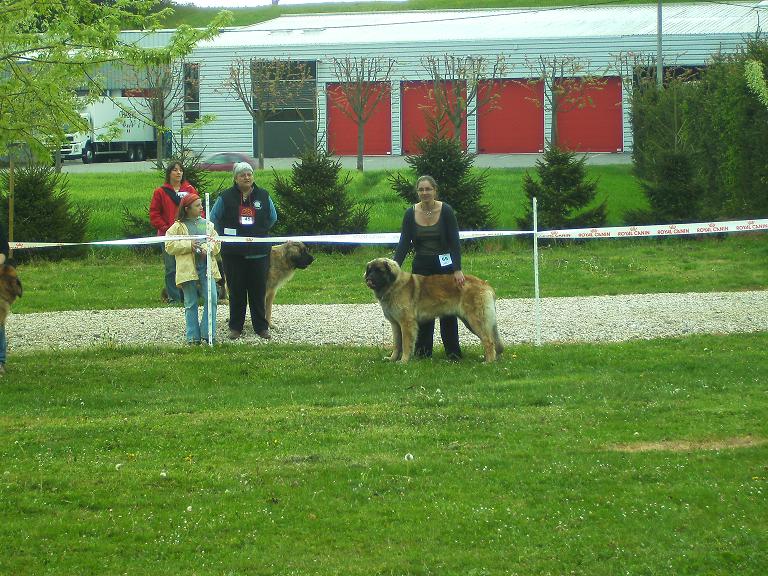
598, 125
514, 123
416, 101
342, 131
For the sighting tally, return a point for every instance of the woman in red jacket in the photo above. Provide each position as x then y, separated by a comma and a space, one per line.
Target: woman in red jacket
162, 214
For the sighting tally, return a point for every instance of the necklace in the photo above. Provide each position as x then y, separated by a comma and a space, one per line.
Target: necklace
426, 212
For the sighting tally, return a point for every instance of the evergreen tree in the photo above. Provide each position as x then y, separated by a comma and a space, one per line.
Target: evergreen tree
451, 166
562, 192
314, 200
675, 193
43, 211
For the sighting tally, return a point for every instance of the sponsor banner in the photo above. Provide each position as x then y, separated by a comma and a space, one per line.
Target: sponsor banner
394, 237
658, 230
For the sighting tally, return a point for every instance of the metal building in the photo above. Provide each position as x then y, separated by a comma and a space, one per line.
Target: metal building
692, 34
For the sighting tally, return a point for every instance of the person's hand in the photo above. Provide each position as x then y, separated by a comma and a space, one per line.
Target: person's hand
458, 276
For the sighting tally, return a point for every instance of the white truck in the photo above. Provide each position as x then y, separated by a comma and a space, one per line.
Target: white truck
135, 142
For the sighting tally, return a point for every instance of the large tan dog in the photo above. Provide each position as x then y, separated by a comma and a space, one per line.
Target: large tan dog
284, 261
408, 299
10, 289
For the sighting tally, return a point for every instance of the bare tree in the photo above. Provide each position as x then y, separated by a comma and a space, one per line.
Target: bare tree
456, 86
267, 86
158, 96
567, 84
362, 85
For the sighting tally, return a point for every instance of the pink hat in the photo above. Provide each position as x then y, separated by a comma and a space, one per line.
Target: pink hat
189, 199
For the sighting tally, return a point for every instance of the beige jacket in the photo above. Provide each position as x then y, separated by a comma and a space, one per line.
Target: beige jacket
185, 256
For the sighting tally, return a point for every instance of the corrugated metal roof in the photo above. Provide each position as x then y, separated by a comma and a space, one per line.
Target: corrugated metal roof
469, 25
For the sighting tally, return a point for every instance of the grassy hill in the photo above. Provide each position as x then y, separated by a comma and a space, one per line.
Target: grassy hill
187, 14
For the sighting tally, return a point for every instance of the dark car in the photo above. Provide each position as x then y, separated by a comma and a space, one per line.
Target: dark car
224, 161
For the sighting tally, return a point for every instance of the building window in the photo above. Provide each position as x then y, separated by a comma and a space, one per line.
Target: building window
191, 92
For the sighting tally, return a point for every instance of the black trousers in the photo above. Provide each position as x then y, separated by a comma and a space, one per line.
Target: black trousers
247, 284
449, 325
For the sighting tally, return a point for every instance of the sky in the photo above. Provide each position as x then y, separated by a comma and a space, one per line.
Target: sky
256, 3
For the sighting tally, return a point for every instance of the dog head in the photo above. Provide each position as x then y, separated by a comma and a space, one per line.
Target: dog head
381, 273
299, 254
10, 285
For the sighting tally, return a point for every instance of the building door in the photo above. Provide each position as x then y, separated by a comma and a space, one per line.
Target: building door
292, 126
513, 123
417, 102
598, 125
342, 130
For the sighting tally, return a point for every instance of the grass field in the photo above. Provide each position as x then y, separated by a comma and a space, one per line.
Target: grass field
244, 16
117, 278
639, 458
106, 194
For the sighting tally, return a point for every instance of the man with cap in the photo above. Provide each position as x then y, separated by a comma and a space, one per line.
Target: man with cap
245, 210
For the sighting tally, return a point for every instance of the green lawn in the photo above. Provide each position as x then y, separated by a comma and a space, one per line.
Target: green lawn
244, 16
106, 194
113, 278
637, 458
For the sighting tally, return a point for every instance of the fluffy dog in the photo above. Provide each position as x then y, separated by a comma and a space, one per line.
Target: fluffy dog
284, 261
408, 299
10, 289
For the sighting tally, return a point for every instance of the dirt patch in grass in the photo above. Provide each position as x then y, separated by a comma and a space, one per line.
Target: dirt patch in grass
690, 445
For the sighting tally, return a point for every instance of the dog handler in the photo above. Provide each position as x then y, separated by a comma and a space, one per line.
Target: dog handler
430, 228
245, 210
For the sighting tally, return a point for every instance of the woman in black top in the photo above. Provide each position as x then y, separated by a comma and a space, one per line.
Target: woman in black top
430, 228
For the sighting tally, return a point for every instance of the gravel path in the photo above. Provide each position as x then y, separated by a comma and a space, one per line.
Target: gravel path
582, 319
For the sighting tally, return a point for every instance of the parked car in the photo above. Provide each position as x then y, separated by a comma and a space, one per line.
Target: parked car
224, 161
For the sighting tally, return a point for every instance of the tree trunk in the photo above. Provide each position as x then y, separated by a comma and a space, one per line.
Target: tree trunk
160, 145
553, 127
260, 141
360, 144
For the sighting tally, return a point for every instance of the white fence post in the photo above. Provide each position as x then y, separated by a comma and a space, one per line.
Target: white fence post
536, 296
208, 271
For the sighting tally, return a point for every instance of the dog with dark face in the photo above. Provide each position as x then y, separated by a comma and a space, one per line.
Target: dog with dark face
285, 259
10, 289
409, 299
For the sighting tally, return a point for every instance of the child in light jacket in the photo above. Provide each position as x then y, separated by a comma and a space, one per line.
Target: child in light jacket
191, 266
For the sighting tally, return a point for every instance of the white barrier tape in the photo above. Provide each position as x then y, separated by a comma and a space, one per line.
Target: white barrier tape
394, 237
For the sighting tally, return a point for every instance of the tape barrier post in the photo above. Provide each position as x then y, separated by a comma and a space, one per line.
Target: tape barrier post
536, 295
208, 244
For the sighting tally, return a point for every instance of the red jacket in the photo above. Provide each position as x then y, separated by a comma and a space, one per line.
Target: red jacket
165, 205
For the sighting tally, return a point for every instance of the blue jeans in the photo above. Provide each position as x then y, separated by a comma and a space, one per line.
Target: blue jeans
3, 345
174, 294
197, 330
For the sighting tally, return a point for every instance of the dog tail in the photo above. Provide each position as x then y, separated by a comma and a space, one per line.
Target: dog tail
497, 343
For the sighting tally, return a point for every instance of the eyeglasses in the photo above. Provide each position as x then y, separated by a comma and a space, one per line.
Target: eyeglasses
424, 189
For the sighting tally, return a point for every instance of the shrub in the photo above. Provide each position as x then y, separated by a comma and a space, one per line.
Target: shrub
451, 166
43, 211
314, 200
675, 194
562, 193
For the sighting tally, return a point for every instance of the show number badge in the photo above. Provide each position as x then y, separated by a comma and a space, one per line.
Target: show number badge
247, 216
